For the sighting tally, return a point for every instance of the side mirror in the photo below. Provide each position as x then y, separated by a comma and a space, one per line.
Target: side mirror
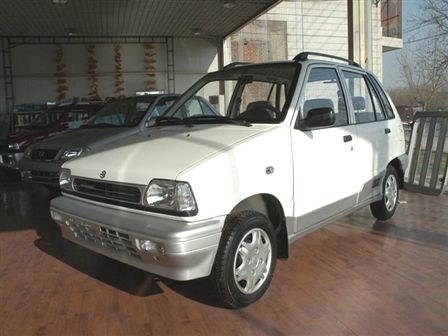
320, 117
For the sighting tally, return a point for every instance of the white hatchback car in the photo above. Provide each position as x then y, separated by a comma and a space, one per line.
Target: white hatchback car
296, 145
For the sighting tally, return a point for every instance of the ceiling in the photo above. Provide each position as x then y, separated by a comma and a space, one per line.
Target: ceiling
177, 18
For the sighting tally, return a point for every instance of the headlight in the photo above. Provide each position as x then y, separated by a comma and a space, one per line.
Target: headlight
170, 196
14, 146
73, 152
65, 179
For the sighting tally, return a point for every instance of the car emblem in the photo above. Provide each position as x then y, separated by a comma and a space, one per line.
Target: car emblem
41, 154
103, 174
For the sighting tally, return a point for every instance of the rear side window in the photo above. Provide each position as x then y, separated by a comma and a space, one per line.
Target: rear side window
387, 107
323, 89
362, 101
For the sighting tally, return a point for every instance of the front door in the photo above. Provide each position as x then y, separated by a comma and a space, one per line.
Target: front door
325, 167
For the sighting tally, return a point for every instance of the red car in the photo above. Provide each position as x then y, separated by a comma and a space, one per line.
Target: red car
47, 124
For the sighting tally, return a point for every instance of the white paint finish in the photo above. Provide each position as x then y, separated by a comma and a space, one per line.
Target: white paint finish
221, 182
161, 152
322, 176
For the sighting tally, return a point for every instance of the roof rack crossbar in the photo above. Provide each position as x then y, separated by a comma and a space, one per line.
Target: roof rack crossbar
303, 56
235, 64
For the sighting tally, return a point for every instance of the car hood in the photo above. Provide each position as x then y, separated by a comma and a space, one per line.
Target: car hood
88, 137
162, 152
20, 136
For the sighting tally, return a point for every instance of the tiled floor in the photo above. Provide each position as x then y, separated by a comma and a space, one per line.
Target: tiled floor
356, 276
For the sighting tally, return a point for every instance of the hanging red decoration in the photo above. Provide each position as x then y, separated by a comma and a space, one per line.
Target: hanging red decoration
92, 70
62, 87
149, 62
119, 82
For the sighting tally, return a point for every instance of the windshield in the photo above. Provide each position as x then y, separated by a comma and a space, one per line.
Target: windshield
121, 112
252, 94
46, 119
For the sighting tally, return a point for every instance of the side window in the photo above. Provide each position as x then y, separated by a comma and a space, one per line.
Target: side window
76, 118
161, 107
360, 95
389, 111
207, 108
323, 89
379, 113
193, 108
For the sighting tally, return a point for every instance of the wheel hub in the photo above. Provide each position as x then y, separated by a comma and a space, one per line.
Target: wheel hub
390, 192
252, 261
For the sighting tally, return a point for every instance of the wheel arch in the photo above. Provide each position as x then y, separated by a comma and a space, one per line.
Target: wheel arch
396, 163
271, 208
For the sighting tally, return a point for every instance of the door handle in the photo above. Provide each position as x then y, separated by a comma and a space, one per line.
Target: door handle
347, 138
387, 130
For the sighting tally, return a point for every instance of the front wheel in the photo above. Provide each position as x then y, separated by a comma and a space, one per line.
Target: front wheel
245, 260
385, 208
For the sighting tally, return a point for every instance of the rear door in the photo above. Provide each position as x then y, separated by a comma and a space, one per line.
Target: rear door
326, 179
373, 130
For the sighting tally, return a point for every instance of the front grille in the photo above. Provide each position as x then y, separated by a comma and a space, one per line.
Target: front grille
43, 176
43, 154
107, 190
108, 239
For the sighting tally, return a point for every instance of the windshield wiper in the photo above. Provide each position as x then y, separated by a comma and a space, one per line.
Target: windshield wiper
101, 125
159, 121
220, 119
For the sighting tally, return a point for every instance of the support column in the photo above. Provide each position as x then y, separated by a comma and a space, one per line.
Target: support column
170, 73
360, 32
8, 79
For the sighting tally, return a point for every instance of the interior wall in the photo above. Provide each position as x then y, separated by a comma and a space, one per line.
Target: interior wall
193, 59
34, 69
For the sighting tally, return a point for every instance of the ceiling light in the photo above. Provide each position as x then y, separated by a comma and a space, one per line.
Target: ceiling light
61, 2
229, 3
72, 32
197, 32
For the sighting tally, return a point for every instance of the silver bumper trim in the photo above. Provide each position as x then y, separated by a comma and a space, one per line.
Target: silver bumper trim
189, 249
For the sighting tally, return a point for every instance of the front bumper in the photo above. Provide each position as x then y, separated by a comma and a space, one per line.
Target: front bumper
10, 160
46, 172
177, 250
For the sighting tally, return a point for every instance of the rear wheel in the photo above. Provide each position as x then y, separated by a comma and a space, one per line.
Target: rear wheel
245, 260
385, 208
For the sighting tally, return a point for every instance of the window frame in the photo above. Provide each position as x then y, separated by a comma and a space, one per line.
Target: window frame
370, 87
299, 123
383, 97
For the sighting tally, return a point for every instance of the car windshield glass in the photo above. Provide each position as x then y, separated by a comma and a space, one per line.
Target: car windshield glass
251, 94
121, 112
46, 119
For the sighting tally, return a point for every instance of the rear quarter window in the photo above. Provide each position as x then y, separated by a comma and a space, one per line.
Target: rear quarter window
385, 102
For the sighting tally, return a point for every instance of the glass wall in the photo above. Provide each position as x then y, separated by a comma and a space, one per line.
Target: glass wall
260, 41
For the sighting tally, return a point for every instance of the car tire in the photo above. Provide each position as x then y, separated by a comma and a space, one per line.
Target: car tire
245, 260
385, 208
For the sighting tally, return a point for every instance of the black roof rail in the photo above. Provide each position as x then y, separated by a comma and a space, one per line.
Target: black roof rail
303, 56
235, 64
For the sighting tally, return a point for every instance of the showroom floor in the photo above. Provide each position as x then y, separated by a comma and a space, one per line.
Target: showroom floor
354, 277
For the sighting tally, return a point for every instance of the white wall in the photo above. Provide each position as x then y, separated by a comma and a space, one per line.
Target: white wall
34, 69
193, 59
